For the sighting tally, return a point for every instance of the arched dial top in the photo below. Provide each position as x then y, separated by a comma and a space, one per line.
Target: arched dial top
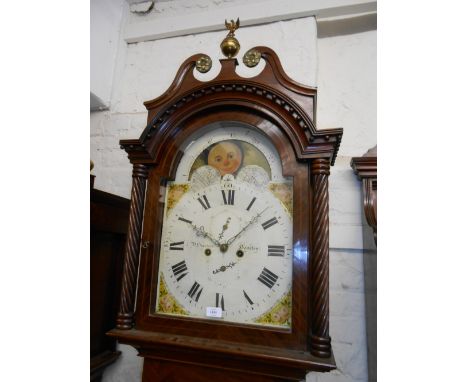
271, 94
226, 250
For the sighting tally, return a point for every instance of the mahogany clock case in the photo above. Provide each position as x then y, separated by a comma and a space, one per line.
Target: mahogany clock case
146, 320
275, 106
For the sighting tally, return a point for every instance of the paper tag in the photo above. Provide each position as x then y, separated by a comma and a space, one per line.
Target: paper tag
214, 312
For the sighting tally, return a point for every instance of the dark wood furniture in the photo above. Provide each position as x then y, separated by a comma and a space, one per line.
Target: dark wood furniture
177, 348
365, 168
109, 220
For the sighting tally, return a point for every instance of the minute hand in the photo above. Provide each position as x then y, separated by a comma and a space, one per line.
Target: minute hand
253, 220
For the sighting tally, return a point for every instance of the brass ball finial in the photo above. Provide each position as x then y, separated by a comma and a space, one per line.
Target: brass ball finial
230, 46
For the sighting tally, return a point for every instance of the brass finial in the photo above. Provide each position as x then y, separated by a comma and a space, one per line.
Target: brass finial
230, 46
203, 64
252, 58
231, 26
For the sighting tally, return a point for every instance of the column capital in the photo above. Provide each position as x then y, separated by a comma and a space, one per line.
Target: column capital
140, 171
320, 166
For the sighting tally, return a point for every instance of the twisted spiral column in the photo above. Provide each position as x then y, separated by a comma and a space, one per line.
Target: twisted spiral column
132, 248
320, 340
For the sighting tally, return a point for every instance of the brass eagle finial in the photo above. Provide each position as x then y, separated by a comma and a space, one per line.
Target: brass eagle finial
232, 26
230, 46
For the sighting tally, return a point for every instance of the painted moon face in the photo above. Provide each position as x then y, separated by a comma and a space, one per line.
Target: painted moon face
226, 157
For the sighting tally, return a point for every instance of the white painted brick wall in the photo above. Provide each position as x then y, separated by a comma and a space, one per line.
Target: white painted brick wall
347, 98
188, 7
105, 22
344, 69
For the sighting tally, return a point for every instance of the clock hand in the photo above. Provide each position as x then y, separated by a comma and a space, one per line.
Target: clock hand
225, 227
200, 231
253, 220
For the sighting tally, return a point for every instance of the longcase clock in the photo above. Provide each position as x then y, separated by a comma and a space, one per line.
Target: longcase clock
226, 262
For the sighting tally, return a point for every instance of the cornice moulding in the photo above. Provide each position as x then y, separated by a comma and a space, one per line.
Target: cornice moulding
251, 14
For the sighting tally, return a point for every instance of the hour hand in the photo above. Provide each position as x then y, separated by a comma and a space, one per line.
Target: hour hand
200, 231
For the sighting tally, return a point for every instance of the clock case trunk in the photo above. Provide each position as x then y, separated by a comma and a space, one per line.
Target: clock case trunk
283, 110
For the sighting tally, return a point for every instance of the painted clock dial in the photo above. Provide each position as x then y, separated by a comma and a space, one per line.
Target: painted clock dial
226, 248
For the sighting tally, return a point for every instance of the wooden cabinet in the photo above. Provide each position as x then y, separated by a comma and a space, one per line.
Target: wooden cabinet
109, 219
365, 167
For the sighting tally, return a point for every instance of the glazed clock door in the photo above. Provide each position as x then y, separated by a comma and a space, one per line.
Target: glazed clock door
226, 247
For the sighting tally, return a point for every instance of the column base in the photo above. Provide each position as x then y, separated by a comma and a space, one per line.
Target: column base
124, 321
321, 346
